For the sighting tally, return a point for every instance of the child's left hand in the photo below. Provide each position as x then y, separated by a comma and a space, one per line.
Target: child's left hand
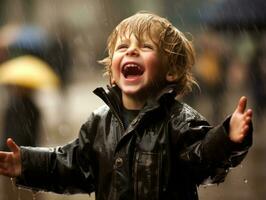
240, 121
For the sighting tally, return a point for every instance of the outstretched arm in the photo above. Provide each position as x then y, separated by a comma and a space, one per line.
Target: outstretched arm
240, 121
10, 162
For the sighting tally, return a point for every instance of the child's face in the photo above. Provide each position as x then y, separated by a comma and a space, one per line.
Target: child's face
137, 66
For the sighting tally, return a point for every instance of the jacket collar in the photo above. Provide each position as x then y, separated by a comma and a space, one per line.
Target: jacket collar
113, 98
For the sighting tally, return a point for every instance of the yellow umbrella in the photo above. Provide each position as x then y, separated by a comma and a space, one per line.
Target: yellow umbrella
28, 71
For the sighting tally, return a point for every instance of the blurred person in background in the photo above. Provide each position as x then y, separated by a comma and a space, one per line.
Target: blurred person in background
210, 71
26, 50
21, 117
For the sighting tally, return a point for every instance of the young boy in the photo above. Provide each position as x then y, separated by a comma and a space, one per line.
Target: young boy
143, 144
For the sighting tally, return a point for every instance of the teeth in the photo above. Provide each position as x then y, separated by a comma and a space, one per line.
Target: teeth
131, 65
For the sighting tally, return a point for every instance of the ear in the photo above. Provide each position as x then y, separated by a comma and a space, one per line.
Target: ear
171, 76
112, 81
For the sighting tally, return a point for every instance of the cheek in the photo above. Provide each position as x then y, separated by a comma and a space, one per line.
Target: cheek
114, 66
151, 61
157, 67
116, 62
115, 71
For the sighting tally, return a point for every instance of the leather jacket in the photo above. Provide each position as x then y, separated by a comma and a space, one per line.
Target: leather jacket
165, 153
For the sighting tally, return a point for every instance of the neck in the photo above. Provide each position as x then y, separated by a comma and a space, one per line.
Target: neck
133, 103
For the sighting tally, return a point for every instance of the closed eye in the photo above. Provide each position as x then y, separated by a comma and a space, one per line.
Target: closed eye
147, 46
121, 47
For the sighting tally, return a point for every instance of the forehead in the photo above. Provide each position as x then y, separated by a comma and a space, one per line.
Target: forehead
145, 36
146, 33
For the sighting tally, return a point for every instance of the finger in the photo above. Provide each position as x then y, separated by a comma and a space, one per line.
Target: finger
245, 130
242, 104
248, 115
249, 112
247, 120
12, 145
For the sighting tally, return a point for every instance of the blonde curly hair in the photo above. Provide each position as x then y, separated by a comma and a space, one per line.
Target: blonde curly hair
175, 48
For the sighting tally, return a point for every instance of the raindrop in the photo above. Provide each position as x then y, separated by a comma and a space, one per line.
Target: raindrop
245, 181
228, 170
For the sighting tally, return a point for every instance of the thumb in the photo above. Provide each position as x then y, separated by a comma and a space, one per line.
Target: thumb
242, 104
12, 145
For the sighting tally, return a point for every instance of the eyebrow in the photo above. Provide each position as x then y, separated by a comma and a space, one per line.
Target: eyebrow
124, 39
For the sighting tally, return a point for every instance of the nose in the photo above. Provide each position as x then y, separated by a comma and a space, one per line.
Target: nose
132, 51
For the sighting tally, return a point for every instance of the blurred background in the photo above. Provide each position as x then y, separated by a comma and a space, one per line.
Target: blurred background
66, 38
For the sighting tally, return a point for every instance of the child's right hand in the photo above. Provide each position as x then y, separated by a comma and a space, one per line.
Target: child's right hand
10, 162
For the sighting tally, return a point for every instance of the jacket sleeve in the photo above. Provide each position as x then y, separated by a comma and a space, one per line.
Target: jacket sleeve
206, 151
63, 169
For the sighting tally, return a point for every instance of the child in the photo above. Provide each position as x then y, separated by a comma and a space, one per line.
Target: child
143, 144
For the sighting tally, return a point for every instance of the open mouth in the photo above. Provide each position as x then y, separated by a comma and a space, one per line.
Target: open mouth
132, 70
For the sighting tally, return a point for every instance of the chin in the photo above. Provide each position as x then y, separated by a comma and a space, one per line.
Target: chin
131, 90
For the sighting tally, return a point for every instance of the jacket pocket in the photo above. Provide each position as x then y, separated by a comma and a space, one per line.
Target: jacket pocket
147, 175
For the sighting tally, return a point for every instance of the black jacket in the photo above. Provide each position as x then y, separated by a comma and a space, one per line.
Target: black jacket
165, 153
